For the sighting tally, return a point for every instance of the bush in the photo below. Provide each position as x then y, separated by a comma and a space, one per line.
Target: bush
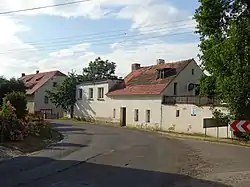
11, 128
33, 117
19, 102
14, 129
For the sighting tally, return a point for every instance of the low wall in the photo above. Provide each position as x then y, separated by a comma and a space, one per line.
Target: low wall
188, 118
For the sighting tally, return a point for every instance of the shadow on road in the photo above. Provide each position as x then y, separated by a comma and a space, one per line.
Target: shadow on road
45, 172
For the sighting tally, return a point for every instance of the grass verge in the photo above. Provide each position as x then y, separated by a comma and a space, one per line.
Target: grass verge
33, 143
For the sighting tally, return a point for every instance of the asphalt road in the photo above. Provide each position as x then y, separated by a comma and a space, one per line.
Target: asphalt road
98, 156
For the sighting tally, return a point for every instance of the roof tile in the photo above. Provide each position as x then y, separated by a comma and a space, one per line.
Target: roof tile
144, 80
34, 81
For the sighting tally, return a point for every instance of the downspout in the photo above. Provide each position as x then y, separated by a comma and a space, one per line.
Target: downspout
161, 117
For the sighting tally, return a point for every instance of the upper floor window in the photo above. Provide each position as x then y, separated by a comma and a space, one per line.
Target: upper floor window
80, 93
100, 93
166, 72
54, 84
175, 88
91, 93
192, 71
46, 99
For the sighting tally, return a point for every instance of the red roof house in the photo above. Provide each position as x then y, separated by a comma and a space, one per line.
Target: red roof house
37, 84
146, 81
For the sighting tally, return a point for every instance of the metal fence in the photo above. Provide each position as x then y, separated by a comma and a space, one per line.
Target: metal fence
196, 100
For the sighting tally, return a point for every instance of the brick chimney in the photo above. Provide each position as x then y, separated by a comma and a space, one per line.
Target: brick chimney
23, 74
135, 66
160, 61
37, 71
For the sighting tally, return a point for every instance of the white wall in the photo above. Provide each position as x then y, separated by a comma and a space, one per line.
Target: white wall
187, 123
41, 93
183, 79
105, 109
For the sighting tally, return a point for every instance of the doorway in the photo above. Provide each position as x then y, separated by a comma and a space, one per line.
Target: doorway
123, 117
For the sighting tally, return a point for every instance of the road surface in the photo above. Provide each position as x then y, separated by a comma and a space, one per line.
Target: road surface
99, 156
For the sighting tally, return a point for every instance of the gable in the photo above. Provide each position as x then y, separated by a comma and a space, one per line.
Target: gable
34, 81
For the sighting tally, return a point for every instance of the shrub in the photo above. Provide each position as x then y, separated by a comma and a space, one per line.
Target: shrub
19, 102
33, 117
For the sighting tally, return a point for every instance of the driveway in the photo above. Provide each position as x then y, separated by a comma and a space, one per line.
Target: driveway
99, 156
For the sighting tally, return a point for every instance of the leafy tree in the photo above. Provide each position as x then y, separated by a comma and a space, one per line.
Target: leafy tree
224, 28
19, 102
8, 86
99, 69
64, 95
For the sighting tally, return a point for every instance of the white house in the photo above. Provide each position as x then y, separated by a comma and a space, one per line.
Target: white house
37, 84
137, 100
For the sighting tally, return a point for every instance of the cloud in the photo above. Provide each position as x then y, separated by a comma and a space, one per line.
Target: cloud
11, 61
145, 53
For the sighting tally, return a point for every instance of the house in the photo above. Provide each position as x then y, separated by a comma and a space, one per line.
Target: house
37, 84
137, 100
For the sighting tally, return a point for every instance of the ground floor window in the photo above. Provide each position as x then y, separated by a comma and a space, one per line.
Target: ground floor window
114, 113
147, 116
136, 115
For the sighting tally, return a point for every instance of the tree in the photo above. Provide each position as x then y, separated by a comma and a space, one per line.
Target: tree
224, 27
8, 86
19, 102
99, 69
64, 95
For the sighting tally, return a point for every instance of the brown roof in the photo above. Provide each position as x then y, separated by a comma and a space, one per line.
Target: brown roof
34, 81
144, 81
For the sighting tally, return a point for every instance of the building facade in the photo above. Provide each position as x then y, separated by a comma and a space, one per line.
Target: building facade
137, 100
37, 84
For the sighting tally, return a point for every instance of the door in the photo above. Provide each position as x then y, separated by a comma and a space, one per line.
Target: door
123, 117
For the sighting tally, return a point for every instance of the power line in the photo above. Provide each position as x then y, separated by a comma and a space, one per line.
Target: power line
98, 41
93, 39
43, 7
105, 33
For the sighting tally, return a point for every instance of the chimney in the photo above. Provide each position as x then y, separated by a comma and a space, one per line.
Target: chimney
160, 61
37, 71
23, 74
135, 66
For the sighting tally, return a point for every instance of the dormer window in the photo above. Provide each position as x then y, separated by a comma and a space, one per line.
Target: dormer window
166, 72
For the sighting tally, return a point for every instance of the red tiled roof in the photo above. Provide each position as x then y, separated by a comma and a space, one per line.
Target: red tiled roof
34, 81
144, 80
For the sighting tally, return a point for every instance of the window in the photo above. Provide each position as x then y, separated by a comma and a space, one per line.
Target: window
192, 71
175, 88
80, 93
136, 115
166, 72
46, 99
147, 116
177, 113
54, 84
114, 112
100, 93
91, 93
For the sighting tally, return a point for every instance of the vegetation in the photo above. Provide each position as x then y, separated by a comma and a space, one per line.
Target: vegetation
12, 85
27, 132
19, 102
64, 95
224, 27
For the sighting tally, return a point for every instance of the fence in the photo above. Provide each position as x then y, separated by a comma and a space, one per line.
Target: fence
195, 100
